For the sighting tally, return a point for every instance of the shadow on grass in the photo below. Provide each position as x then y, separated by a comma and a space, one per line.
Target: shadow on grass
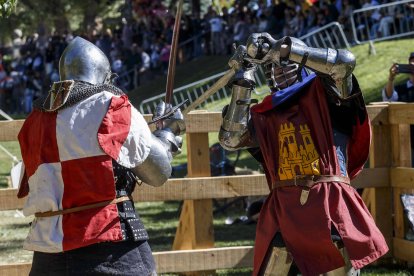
14, 226
11, 245
3, 180
394, 270
236, 233
164, 215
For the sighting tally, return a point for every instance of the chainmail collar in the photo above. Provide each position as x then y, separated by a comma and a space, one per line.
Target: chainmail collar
78, 92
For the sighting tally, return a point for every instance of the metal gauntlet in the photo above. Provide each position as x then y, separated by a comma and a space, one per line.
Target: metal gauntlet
234, 133
338, 64
166, 142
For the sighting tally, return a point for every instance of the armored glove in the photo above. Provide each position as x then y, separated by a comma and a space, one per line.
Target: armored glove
263, 48
169, 130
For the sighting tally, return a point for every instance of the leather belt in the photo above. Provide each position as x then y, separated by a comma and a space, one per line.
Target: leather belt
81, 208
308, 181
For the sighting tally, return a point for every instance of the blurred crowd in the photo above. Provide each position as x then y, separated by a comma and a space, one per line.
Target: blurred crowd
139, 46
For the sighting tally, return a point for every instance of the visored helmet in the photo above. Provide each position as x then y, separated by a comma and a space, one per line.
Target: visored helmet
83, 61
284, 74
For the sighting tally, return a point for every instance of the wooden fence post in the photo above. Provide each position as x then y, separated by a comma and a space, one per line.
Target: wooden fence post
379, 199
401, 157
195, 229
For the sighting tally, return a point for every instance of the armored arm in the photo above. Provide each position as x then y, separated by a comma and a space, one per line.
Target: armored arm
338, 64
156, 168
234, 133
164, 144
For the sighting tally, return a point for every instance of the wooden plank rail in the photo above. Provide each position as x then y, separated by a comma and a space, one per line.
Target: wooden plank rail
389, 175
176, 261
210, 187
196, 122
400, 113
403, 249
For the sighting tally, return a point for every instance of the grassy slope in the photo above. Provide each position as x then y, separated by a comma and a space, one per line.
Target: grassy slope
371, 70
189, 72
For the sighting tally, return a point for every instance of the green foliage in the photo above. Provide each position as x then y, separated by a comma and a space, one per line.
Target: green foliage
6, 7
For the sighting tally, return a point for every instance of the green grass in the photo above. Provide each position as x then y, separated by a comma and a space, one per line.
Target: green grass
161, 219
6, 162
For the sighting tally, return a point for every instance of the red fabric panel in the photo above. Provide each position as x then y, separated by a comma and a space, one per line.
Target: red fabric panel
264, 106
37, 140
359, 146
115, 126
315, 116
91, 226
24, 186
362, 239
316, 255
87, 180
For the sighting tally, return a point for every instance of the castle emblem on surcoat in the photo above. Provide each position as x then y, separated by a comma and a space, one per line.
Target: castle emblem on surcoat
297, 153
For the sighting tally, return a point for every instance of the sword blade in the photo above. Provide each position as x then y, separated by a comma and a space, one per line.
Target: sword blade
220, 83
173, 54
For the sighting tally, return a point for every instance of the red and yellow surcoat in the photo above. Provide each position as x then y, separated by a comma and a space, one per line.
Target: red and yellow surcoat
296, 138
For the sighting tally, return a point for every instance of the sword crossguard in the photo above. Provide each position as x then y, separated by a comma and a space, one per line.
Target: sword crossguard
167, 114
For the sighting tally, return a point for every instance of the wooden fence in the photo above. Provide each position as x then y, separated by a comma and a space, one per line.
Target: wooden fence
389, 175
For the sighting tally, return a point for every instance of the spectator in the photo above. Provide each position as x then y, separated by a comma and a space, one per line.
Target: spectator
263, 22
105, 42
403, 92
165, 57
3, 78
241, 29
127, 33
144, 65
216, 29
132, 60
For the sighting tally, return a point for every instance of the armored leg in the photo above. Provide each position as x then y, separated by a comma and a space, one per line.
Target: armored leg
278, 262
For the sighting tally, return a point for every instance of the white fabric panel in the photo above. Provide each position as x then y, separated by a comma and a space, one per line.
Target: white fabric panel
16, 174
137, 145
77, 127
43, 196
46, 234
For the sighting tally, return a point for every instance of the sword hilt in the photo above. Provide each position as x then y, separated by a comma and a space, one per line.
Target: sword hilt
168, 114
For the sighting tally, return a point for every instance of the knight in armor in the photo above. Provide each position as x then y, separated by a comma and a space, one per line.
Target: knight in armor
312, 137
84, 148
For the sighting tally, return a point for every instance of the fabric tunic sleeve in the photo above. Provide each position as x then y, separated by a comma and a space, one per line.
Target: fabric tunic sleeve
124, 134
393, 98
